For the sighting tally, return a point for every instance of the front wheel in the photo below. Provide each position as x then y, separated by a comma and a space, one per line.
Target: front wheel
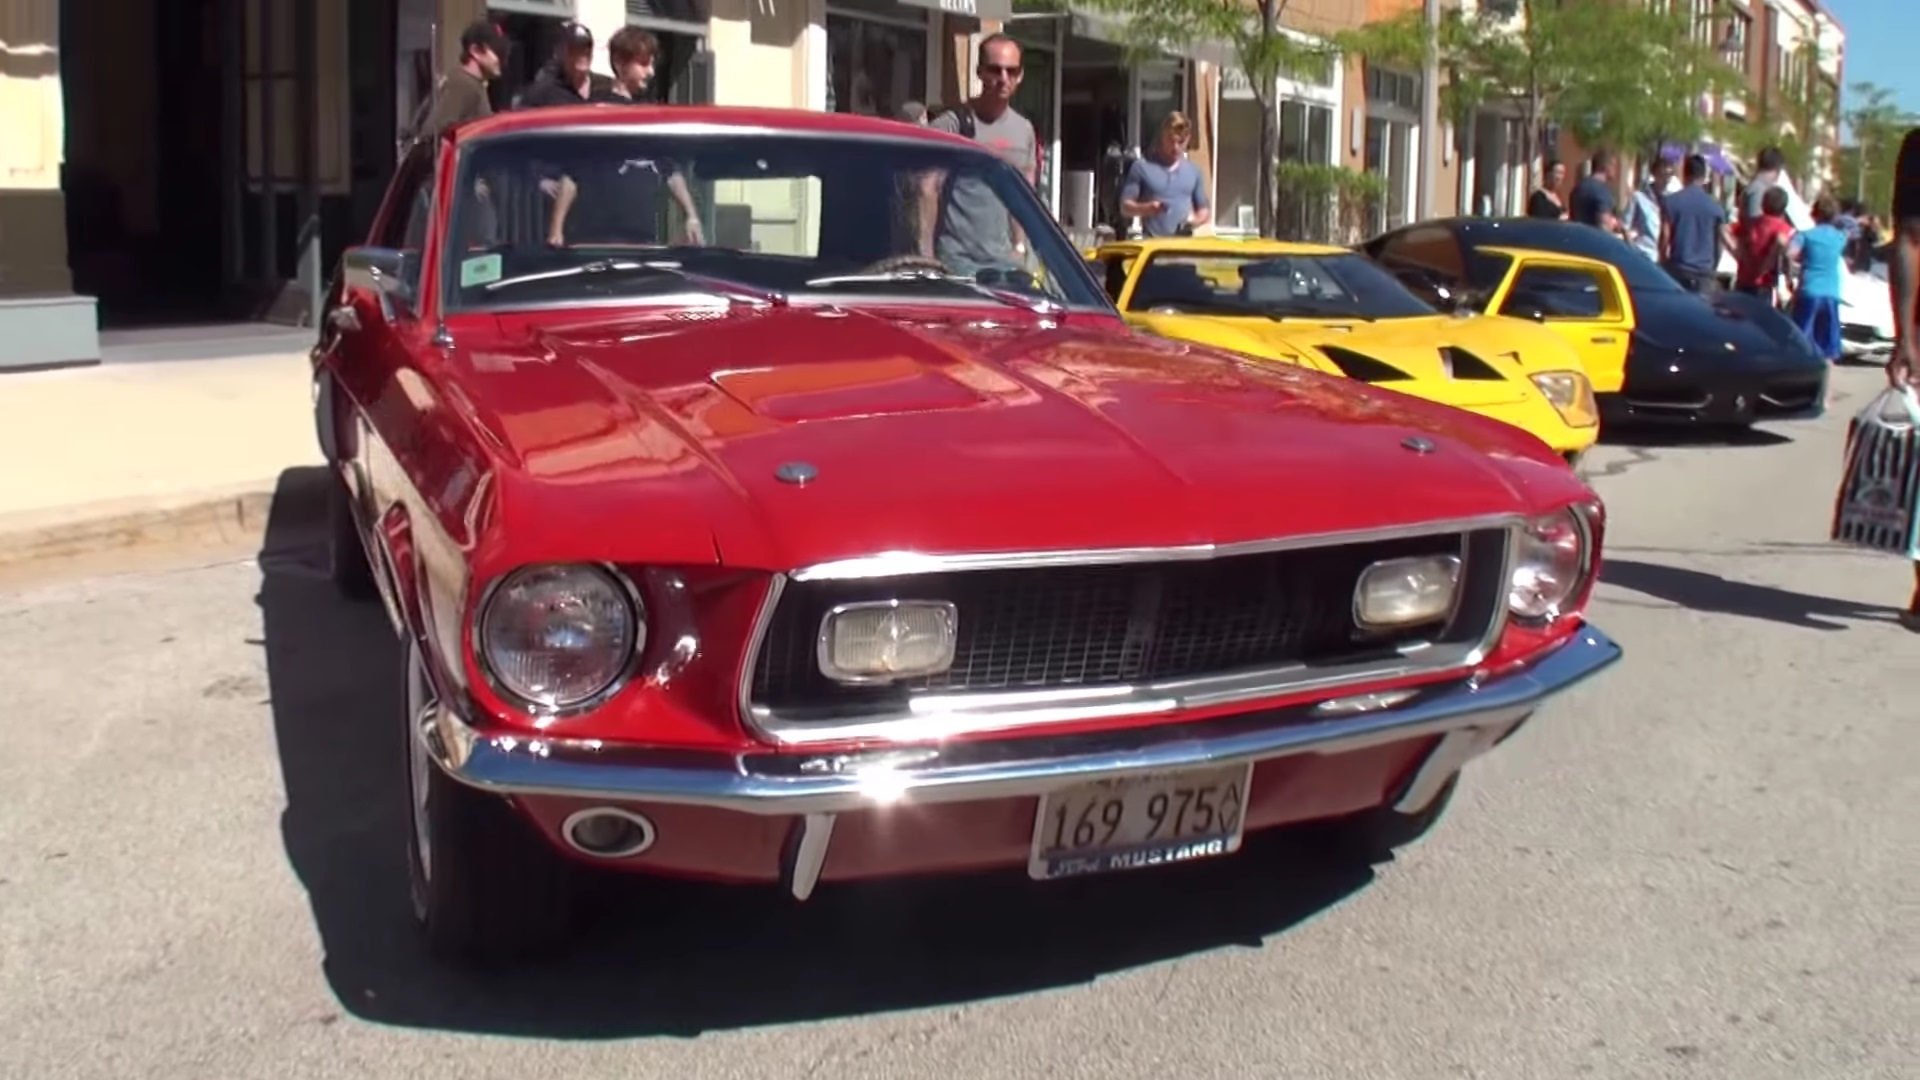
485, 888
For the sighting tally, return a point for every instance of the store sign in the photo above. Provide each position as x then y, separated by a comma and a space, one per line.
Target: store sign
973, 9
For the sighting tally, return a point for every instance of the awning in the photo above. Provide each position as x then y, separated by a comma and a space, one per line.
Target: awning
984, 10
1112, 29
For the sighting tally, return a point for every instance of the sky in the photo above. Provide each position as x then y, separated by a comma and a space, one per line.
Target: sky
1880, 48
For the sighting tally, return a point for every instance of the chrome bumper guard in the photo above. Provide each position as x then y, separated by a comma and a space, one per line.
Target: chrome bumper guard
1474, 716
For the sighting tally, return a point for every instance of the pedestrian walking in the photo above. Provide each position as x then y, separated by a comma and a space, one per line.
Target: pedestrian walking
461, 94
568, 78
1696, 226
1903, 287
1821, 253
1768, 169
970, 228
623, 203
1592, 202
1164, 188
1762, 248
1545, 201
1646, 213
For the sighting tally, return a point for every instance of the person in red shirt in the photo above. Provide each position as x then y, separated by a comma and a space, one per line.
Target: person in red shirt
1761, 246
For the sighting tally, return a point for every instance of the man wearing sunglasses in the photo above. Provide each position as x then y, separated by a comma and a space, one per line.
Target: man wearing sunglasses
977, 232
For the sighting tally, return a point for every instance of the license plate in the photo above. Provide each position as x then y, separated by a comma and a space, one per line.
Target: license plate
1132, 822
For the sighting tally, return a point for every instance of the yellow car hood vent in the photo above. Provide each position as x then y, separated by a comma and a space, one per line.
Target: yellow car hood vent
1455, 364
1450, 374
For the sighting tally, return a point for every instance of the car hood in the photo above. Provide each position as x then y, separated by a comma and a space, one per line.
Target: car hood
794, 435
1727, 329
1864, 301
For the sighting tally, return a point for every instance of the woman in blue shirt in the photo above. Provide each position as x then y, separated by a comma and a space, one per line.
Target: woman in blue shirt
1822, 256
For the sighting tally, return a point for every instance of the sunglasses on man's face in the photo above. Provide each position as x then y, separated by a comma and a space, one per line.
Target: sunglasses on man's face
1011, 71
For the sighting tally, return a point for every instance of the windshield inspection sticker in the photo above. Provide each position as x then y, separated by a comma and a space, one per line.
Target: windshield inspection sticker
479, 270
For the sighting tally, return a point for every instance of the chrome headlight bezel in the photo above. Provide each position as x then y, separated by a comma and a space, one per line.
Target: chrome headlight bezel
1578, 519
630, 646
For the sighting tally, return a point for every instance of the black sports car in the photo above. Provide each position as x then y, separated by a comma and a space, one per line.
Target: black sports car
1726, 360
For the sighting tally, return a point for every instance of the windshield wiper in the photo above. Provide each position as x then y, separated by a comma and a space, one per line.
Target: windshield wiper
651, 267
1038, 304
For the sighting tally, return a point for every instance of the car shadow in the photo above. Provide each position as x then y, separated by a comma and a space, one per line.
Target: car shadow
1704, 592
673, 958
1663, 437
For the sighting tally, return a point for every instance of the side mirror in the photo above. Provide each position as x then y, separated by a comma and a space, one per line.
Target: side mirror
387, 273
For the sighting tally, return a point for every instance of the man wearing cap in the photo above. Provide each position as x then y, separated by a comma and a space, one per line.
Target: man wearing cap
462, 93
569, 79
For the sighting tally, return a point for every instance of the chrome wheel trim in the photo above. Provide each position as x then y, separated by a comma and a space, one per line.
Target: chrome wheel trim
419, 765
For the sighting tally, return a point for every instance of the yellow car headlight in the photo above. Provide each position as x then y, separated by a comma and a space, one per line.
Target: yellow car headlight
1571, 394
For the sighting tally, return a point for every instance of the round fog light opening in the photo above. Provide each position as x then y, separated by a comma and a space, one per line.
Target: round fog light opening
607, 833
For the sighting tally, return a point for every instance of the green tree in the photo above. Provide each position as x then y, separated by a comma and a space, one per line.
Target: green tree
1794, 119
1619, 75
1875, 126
1263, 51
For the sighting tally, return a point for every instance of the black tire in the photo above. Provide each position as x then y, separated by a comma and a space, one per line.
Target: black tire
495, 894
1381, 831
347, 562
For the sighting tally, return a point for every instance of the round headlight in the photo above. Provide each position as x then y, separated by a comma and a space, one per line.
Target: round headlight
558, 636
1549, 565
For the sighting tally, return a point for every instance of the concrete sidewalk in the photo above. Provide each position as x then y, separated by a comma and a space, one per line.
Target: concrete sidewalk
124, 455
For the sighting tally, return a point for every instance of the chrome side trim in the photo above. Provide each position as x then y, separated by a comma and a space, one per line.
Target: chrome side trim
807, 855
783, 784
940, 716
896, 563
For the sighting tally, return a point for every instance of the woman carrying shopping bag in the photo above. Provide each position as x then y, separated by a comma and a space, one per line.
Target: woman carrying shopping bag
1903, 285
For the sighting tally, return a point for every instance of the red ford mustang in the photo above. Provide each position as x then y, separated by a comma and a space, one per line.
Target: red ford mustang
851, 534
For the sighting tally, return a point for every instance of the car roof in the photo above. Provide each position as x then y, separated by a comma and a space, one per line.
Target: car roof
1220, 245
798, 121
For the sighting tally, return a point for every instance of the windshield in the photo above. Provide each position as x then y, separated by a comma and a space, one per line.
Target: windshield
1312, 286
575, 216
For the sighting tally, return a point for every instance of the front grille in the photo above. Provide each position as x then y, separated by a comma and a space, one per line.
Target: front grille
1042, 628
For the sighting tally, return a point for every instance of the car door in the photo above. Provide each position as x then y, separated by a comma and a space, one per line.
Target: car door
1585, 301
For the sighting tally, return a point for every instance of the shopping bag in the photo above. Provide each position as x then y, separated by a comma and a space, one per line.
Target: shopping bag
1878, 507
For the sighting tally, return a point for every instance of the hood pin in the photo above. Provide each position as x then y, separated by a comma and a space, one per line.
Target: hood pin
1418, 444
796, 472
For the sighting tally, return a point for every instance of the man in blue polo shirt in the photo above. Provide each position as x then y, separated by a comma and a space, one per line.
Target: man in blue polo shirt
1696, 225
1164, 188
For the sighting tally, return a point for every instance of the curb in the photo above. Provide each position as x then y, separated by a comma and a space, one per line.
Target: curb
228, 516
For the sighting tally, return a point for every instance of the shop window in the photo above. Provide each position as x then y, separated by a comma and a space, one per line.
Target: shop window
1306, 133
875, 66
1389, 153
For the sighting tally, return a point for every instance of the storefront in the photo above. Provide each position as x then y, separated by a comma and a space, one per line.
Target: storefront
880, 56
1309, 104
199, 165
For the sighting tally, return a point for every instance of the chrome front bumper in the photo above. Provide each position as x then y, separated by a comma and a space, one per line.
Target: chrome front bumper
1473, 716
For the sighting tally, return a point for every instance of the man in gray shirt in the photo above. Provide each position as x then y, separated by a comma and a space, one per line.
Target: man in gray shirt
1766, 177
970, 229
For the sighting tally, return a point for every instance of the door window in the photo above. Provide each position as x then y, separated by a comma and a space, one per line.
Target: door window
1555, 292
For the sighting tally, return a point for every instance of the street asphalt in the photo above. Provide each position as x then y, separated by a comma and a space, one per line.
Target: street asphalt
1704, 864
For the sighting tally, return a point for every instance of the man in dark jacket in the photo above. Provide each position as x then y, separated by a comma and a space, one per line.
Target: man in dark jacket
569, 79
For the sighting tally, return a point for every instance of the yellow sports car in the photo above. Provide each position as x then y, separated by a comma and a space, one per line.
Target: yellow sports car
1334, 310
